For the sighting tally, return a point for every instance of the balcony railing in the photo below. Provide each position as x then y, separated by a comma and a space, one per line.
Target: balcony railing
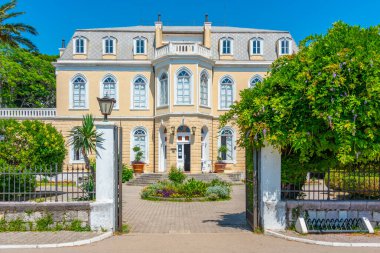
174, 48
27, 113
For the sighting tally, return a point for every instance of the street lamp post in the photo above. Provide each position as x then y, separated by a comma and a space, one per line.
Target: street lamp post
106, 105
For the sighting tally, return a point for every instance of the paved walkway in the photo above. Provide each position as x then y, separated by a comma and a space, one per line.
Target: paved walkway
145, 216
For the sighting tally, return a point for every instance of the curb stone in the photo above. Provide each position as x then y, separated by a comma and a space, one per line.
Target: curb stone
58, 245
322, 243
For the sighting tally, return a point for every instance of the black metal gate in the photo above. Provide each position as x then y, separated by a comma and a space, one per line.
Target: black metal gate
252, 188
118, 179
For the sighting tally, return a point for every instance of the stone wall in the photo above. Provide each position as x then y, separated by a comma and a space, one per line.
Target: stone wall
333, 210
62, 214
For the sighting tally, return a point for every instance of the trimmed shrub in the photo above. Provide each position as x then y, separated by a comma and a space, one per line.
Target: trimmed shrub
193, 188
127, 174
177, 176
222, 192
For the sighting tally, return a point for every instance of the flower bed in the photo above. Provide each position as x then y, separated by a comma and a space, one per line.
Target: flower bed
186, 190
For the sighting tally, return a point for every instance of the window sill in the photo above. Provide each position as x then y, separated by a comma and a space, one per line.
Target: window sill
110, 54
79, 109
143, 54
80, 54
224, 109
205, 106
256, 54
183, 104
139, 109
162, 107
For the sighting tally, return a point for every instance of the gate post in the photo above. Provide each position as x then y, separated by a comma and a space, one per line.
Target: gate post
273, 215
103, 209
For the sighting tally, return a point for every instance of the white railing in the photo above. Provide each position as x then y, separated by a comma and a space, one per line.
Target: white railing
175, 48
27, 113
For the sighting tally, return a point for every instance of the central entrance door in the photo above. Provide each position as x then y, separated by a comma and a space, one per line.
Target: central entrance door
183, 148
186, 152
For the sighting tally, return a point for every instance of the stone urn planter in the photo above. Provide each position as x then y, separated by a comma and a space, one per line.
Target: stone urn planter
137, 164
219, 164
138, 167
219, 167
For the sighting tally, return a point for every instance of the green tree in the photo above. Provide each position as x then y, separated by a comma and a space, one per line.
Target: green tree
11, 33
85, 138
321, 105
26, 79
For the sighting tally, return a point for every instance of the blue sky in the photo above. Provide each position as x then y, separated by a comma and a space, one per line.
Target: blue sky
56, 19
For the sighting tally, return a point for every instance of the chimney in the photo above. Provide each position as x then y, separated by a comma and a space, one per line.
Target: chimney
63, 47
207, 33
158, 27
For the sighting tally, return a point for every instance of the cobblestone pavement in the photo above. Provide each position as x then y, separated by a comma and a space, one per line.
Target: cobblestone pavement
145, 216
23, 238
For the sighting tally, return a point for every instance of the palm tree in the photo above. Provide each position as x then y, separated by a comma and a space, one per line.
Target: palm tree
11, 33
85, 138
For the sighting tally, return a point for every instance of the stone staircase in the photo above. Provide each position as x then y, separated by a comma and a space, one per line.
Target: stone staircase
151, 178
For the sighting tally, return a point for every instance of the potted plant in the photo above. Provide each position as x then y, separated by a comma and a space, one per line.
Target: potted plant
137, 164
220, 165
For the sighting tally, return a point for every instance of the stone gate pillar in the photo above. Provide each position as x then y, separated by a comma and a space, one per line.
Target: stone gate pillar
103, 215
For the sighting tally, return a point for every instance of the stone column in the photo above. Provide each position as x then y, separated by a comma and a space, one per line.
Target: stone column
103, 214
272, 208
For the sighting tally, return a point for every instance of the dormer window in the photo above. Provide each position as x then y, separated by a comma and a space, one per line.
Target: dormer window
226, 46
80, 45
109, 45
140, 45
285, 46
256, 46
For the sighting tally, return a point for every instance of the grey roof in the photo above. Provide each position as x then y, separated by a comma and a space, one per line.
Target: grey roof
183, 29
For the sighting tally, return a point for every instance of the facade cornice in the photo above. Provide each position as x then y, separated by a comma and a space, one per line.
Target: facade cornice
220, 63
169, 58
122, 63
180, 114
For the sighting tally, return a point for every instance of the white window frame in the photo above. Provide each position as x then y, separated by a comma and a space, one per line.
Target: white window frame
132, 144
71, 95
135, 45
84, 45
220, 92
114, 45
101, 90
280, 48
132, 107
258, 39
231, 46
159, 90
233, 143
191, 86
72, 156
254, 77
204, 72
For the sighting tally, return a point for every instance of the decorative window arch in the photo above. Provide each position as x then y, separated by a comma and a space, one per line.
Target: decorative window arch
256, 46
226, 92
204, 88
140, 45
285, 46
227, 138
78, 92
255, 80
164, 89
140, 93
226, 46
80, 45
109, 88
184, 87
109, 45
140, 139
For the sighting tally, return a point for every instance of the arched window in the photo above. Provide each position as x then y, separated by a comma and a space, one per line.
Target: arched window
139, 93
183, 88
79, 92
226, 93
257, 46
109, 45
164, 91
109, 88
140, 45
80, 45
140, 139
227, 140
285, 46
204, 89
226, 46
254, 80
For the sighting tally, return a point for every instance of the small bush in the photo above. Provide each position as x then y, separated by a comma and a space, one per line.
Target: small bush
127, 174
3, 225
44, 223
177, 176
222, 192
16, 225
193, 188
76, 225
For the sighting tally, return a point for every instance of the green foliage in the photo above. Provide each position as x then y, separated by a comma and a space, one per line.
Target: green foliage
217, 192
321, 104
76, 225
27, 80
3, 225
127, 174
16, 225
11, 33
88, 187
20, 181
44, 223
176, 176
31, 144
222, 150
138, 154
193, 188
